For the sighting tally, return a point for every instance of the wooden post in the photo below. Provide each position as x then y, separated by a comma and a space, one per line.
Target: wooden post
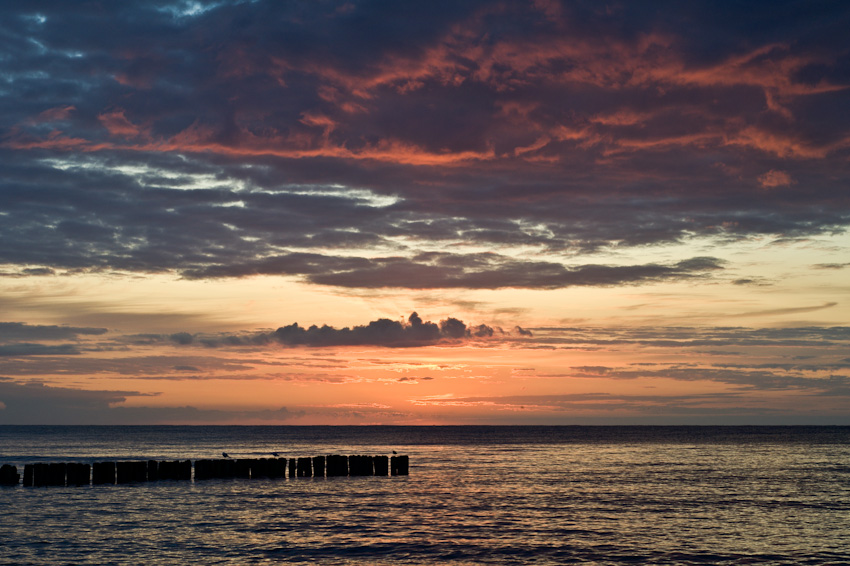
140, 471
153, 470
337, 465
278, 468
382, 465
260, 468
360, 466
203, 470
238, 468
28, 475
318, 466
40, 475
9, 475
293, 468
354, 465
56, 473
166, 470
79, 474
135, 471
175, 470
216, 469
124, 472
305, 467
399, 465
103, 473
184, 470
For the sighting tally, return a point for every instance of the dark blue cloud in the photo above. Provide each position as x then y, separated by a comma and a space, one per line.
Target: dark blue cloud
234, 138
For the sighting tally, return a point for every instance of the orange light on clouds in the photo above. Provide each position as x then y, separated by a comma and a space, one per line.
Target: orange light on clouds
596, 215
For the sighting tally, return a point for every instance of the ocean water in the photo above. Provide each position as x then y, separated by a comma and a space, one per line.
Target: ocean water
475, 495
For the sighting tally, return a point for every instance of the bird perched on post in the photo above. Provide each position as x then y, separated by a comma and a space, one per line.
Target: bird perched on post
225, 454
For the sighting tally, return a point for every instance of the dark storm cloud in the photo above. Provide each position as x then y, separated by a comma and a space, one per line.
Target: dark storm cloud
234, 138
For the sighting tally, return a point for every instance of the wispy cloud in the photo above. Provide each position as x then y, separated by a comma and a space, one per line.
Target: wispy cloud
42, 404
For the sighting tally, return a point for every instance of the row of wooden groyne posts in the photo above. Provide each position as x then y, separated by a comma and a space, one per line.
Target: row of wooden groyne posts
136, 471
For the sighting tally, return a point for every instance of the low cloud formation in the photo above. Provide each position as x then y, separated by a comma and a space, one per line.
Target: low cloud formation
35, 403
820, 337
779, 312
30, 349
14, 331
615, 408
470, 271
19, 340
381, 332
413, 380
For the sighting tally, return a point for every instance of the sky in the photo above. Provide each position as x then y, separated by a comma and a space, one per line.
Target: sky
381, 212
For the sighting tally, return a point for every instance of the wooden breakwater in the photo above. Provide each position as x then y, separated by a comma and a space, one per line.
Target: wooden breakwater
138, 471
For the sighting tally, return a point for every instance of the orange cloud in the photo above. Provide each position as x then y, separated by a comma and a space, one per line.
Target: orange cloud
780, 145
770, 68
197, 139
118, 124
775, 178
648, 61
622, 118
58, 114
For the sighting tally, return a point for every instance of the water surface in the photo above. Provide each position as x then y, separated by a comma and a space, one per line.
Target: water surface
475, 495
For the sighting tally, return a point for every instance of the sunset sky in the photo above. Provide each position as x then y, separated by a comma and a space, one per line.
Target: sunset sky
531, 212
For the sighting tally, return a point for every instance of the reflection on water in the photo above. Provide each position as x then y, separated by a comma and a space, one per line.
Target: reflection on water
475, 496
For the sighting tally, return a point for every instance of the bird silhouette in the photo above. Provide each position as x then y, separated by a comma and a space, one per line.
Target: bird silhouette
394, 452
225, 454
275, 454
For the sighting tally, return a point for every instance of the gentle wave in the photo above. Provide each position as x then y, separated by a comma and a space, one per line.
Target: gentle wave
588, 499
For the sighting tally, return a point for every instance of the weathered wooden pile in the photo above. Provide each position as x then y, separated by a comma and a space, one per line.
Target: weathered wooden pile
9, 475
136, 471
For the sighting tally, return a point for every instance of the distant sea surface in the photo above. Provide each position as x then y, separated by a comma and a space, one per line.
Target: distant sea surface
475, 495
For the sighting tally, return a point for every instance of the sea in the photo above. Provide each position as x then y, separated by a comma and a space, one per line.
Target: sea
474, 495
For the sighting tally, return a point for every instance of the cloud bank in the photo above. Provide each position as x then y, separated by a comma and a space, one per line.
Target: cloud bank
381, 332
379, 144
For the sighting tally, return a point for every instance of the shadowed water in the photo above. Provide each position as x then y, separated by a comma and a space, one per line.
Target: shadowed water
475, 495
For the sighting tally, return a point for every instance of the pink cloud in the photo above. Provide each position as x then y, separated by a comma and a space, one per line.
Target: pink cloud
118, 124
781, 145
775, 178
58, 114
199, 139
